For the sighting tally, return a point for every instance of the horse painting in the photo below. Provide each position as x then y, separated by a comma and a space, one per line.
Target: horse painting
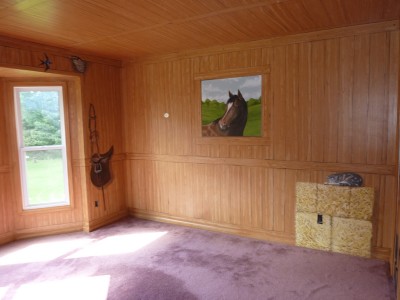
232, 122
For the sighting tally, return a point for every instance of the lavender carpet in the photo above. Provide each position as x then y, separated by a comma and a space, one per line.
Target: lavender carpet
138, 259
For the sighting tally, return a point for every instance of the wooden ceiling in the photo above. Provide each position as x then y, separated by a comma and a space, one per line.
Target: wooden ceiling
125, 29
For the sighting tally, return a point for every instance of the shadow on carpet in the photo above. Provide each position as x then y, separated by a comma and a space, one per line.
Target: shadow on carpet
139, 259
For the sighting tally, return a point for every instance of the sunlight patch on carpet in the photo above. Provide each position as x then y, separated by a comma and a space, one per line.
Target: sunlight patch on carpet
3, 291
120, 244
40, 252
95, 287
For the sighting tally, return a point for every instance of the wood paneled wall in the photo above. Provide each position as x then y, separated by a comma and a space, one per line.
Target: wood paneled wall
99, 85
6, 206
332, 101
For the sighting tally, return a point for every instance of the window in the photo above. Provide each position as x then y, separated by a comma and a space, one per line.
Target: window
42, 147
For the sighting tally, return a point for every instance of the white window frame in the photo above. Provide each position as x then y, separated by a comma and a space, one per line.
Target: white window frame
22, 149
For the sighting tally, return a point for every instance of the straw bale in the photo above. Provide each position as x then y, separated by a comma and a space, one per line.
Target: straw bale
361, 203
310, 234
333, 200
350, 236
306, 197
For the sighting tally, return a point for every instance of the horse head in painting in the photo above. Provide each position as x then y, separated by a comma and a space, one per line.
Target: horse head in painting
233, 121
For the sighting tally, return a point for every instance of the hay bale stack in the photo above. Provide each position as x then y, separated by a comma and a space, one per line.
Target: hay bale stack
310, 234
361, 203
347, 214
306, 197
333, 200
351, 236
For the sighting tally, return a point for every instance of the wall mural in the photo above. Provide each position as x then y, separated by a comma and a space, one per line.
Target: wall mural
231, 106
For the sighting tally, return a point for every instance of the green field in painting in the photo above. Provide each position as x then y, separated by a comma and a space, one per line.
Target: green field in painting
45, 180
211, 110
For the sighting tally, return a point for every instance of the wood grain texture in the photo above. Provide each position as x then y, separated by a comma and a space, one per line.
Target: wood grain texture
100, 84
43, 220
127, 30
325, 118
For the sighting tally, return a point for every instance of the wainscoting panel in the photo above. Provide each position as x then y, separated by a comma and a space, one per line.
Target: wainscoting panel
330, 103
256, 199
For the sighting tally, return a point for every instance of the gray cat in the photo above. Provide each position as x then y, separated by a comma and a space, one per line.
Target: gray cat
345, 179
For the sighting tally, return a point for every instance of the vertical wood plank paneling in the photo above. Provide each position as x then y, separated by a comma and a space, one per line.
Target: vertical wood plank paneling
162, 130
163, 183
6, 223
345, 105
151, 184
389, 212
151, 197
257, 196
6, 213
151, 189
187, 197
188, 104
331, 94
268, 201
305, 102
158, 188
360, 99
290, 201
319, 112
205, 193
393, 92
106, 96
234, 195
246, 200
213, 175
3, 128
178, 192
278, 80
324, 102
267, 59
303, 176
129, 190
333, 100
279, 187
195, 186
134, 97
136, 187
377, 105
291, 90
171, 176
225, 193
145, 105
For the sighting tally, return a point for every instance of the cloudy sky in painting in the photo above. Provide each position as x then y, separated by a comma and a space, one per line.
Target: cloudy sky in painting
249, 86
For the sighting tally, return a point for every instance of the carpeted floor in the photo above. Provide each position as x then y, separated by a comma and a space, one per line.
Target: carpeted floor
138, 259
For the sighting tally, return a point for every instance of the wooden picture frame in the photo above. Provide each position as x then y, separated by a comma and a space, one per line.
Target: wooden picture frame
212, 85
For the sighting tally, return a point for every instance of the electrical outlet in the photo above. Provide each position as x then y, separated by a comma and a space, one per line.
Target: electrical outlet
319, 219
96, 203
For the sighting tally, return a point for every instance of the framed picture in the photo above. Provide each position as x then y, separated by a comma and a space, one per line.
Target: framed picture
232, 106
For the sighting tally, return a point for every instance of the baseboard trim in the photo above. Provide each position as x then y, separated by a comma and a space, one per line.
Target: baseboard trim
382, 254
224, 228
100, 222
6, 238
48, 230
376, 252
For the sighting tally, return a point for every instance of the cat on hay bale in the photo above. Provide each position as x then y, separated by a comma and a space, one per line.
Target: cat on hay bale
345, 179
